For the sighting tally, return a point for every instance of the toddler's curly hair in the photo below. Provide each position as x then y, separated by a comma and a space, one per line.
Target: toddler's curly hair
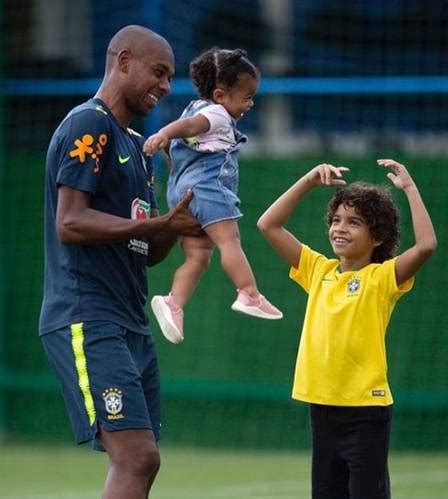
378, 209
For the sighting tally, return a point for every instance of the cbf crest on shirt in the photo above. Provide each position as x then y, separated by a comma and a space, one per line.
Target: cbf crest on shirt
354, 285
342, 355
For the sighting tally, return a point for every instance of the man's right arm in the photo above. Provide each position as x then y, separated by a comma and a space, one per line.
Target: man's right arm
78, 223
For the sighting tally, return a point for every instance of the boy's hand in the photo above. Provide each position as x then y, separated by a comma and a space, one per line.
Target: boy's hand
398, 175
326, 174
155, 142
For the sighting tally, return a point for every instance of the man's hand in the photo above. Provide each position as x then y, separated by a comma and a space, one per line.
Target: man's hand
182, 221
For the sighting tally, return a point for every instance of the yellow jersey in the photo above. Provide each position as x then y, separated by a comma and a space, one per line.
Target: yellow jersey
342, 354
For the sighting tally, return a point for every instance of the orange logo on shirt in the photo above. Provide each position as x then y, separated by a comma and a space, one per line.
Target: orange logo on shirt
87, 146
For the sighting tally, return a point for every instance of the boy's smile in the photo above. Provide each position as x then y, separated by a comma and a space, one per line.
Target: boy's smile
350, 238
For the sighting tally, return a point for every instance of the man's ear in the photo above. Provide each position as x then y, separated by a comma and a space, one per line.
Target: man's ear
218, 95
124, 58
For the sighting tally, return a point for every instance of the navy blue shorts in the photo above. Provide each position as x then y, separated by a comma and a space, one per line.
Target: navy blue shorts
109, 376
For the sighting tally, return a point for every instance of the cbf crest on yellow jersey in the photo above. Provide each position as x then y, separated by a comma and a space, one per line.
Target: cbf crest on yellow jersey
342, 355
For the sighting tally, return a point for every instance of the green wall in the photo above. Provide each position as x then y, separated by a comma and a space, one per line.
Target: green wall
229, 382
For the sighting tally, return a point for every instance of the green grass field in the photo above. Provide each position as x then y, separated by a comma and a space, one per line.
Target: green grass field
32, 472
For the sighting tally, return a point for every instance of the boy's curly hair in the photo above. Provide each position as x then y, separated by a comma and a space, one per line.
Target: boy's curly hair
218, 66
378, 209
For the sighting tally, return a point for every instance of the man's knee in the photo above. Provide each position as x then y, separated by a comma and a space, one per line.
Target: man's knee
133, 451
144, 459
151, 459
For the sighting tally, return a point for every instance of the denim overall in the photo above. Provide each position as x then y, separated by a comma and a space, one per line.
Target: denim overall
213, 177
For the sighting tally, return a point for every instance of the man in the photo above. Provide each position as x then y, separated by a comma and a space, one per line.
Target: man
102, 228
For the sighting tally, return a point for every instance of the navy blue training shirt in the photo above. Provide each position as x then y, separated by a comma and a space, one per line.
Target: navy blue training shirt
91, 152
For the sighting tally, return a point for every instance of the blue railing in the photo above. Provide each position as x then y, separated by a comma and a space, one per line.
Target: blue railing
269, 85
384, 85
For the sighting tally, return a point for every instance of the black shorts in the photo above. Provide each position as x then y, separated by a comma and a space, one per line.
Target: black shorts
350, 449
108, 375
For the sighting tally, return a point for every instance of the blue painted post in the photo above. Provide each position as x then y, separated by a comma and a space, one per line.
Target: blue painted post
2, 263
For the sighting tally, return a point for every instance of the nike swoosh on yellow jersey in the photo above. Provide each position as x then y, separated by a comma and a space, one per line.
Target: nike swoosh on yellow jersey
123, 160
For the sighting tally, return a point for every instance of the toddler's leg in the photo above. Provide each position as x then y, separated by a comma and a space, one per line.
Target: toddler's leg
169, 309
198, 253
226, 236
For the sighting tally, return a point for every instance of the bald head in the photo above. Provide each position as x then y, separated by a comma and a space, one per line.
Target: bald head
139, 68
137, 40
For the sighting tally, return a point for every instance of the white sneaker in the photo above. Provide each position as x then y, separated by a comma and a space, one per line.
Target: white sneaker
170, 317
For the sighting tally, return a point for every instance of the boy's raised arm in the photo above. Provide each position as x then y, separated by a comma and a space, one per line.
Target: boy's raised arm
413, 258
272, 222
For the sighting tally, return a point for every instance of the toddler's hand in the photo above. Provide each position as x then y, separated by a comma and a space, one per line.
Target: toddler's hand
155, 142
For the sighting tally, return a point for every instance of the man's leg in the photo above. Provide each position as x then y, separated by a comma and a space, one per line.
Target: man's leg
134, 463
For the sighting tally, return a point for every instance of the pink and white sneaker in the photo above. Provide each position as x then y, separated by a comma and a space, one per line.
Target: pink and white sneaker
170, 317
257, 307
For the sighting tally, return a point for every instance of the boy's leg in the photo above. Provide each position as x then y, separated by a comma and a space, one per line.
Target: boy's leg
366, 450
329, 473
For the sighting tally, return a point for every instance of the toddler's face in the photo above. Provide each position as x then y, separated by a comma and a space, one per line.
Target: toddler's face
239, 99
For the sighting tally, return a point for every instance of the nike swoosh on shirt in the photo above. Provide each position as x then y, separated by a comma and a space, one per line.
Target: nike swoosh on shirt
123, 160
